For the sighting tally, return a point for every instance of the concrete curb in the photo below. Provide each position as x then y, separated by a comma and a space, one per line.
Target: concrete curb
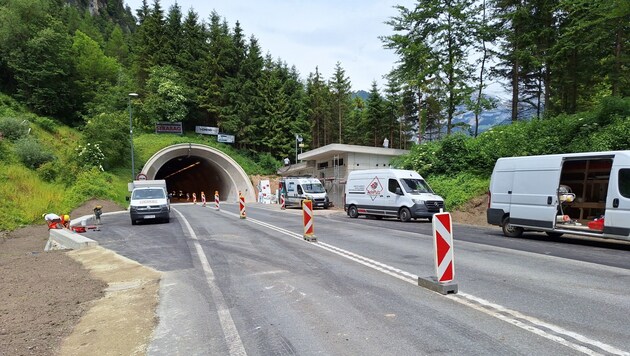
61, 239
64, 239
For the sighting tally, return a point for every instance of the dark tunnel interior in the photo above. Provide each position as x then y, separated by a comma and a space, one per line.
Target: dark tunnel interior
188, 174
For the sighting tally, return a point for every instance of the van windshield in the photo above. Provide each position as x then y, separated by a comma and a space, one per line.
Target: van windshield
313, 188
148, 194
414, 185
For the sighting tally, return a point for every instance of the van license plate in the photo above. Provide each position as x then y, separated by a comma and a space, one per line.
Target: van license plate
149, 216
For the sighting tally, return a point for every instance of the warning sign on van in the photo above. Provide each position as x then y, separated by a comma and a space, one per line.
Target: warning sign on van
375, 188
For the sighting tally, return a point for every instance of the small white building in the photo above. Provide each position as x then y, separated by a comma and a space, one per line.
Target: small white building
332, 163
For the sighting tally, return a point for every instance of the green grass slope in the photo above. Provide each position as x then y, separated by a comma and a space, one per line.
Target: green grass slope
40, 171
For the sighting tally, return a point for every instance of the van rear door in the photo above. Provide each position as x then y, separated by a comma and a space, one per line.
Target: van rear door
501, 190
534, 198
617, 214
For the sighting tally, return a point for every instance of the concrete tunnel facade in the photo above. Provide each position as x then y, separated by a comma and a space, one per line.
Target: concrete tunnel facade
191, 167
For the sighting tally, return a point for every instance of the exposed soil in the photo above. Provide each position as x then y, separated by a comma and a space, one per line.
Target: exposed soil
77, 302
68, 302
472, 213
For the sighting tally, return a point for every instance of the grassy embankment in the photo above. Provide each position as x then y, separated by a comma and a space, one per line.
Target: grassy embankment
60, 184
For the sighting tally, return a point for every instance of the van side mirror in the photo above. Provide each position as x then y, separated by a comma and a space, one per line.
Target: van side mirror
127, 198
399, 191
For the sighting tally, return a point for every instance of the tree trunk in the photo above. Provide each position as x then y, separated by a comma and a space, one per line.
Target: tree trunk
419, 117
515, 93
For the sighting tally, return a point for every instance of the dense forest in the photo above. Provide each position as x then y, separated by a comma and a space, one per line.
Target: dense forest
77, 64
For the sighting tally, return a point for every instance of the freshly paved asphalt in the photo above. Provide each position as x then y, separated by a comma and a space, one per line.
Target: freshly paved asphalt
236, 286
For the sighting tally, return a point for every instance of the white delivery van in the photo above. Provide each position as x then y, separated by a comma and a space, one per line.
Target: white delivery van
394, 193
296, 189
149, 201
579, 193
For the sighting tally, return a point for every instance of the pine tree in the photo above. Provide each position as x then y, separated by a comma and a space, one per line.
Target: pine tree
354, 126
116, 46
375, 122
317, 108
340, 90
393, 112
191, 60
433, 47
173, 36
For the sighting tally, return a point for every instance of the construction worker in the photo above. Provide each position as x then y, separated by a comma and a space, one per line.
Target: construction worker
53, 221
65, 221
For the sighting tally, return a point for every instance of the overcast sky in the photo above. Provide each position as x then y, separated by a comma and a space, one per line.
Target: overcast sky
309, 34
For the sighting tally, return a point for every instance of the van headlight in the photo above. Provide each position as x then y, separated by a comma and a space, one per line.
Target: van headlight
417, 201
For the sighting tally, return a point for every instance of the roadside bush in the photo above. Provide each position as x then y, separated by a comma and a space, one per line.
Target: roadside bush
91, 184
31, 153
452, 155
46, 124
111, 133
13, 128
421, 158
90, 155
458, 189
612, 108
268, 163
615, 136
48, 171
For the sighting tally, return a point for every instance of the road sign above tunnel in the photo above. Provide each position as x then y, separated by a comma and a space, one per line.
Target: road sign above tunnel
225, 138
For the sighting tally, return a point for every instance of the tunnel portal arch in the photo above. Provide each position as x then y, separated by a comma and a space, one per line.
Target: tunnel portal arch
191, 167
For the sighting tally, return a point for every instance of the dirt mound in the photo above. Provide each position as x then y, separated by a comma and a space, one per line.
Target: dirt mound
43, 294
473, 212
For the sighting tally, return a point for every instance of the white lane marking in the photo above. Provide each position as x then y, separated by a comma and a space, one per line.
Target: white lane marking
492, 308
469, 300
232, 338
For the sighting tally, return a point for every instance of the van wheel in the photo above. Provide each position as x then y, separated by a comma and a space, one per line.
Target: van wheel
553, 234
133, 222
404, 214
353, 212
511, 231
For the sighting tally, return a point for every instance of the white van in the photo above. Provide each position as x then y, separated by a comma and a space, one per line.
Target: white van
394, 193
296, 189
580, 193
149, 201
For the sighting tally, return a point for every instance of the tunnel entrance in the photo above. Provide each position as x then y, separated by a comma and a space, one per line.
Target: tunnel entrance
189, 168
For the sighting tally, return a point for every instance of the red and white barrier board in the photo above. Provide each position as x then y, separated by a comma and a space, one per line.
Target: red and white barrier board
216, 199
283, 203
241, 205
307, 213
443, 246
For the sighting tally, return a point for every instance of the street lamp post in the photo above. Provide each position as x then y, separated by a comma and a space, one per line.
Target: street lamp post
299, 139
133, 163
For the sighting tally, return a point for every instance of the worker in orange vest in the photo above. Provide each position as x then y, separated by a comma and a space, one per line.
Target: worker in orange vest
65, 221
53, 221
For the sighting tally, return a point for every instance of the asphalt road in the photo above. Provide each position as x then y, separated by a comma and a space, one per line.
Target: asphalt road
254, 286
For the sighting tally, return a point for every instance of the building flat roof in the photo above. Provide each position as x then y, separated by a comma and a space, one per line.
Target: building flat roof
338, 148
